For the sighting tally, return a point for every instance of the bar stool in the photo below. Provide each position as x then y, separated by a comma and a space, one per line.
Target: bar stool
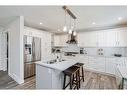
73, 74
80, 65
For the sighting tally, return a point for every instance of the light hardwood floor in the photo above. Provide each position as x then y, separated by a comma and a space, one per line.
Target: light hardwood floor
6, 82
92, 81
29, 83
98, 81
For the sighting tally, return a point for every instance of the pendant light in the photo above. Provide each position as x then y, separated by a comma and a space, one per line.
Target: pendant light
65, 27
74, 32
70, 30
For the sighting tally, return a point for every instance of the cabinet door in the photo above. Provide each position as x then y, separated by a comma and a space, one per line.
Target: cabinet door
83, 39
63, 40
122, 38
80, 39
56, 40
92, 63
101, 38
92, 39
87, 39
84, 59
111, 38
100, 64
107, 38
46, 44
111, 65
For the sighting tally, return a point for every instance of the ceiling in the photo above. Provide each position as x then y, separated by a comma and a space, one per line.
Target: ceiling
52, 17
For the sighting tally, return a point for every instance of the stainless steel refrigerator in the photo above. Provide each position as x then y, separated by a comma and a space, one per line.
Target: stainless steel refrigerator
32, 53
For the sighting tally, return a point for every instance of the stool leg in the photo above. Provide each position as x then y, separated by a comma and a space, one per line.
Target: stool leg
79, 77
77, 80
64, 81
82, 74
73, 78
71, 82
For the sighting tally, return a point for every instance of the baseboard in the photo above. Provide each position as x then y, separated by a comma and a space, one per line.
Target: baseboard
19, 81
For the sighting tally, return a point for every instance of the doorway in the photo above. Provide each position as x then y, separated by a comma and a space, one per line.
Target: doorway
5, 80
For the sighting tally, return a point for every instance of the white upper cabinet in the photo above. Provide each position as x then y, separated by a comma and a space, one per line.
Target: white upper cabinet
122, 37
60, 40
63, 40
56, 40
82, 39
102, 38
107, 38
87, 39
92, 39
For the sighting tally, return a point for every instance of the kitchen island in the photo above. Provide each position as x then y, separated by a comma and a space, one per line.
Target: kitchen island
50, 76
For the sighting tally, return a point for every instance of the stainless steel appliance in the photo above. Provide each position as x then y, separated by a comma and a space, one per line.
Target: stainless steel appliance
32, 53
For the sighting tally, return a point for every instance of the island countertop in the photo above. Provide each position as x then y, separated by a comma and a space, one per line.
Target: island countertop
58, 65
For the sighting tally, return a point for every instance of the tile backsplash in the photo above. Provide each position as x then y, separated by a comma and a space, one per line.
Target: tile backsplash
95, 51
106, 51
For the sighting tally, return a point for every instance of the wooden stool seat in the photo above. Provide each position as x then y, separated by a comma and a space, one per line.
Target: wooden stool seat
71, 72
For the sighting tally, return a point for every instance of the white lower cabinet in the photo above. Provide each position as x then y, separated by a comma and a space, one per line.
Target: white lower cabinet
92, 63
101, 64
111, 65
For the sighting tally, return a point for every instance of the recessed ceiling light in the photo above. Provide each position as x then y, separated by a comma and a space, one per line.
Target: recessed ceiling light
41, 23
120, 18
93, 23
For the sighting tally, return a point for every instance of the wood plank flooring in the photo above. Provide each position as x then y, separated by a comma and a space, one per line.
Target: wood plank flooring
6, 82
30, 83
98, 81
92, 81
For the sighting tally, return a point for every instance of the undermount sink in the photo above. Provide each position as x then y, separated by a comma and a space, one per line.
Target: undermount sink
54, 61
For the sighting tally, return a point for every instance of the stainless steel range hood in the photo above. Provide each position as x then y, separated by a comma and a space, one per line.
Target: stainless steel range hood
72, 39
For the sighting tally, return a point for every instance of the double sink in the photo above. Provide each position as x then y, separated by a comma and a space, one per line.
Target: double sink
54, 61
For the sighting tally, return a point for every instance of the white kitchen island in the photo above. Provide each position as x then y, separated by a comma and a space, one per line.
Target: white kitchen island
50, 76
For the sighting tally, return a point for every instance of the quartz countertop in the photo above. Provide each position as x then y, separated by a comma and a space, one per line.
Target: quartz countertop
58, 65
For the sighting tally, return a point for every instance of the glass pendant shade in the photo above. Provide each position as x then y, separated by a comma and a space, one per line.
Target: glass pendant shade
74, 33
65, 28
70, 31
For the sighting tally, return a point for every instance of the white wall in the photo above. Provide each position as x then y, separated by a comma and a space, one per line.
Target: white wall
45, 40
1, 28
16, 65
